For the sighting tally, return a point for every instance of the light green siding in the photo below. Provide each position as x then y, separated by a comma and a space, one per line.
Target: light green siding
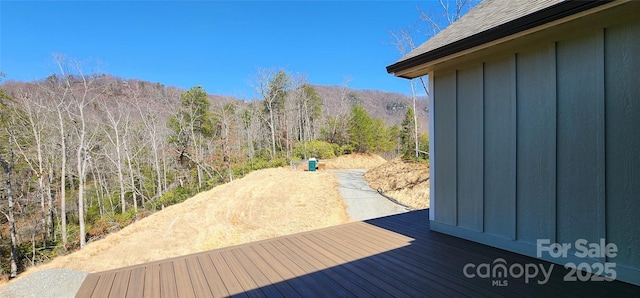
580, 135
543, 142
622, 145
536, 144
500, 147
445, 148
470, 148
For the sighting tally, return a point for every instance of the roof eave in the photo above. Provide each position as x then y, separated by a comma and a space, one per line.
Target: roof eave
555, 12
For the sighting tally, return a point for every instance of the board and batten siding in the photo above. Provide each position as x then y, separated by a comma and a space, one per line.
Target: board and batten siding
543, 143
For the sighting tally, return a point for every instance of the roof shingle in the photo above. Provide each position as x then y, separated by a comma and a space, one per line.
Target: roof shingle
485, 16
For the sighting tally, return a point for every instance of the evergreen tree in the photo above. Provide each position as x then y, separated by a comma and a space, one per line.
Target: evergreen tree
361, 130
408, 136
191, 125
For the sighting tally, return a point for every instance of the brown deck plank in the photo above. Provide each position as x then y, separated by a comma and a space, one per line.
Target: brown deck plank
384, 280
103, 287
88, 285
120, 284
311, 284
281, 268
253, 261
184, 286
392, 256
349, 270
214, 281
136, 283
356, 268
435, 260
198, 279
317, 257
327, 282
248, 284
167, 280
413, 266
152, 281
228, 278
413, 269
261, 281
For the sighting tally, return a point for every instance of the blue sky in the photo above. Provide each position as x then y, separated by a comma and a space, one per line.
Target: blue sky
216, 44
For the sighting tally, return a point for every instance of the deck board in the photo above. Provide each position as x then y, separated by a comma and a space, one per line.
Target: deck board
136, 283
284, 271
214, 281
184, 285
168, 286
151, 281
242, 276
121, 281
198, 278
89, 285
394, 256
322, 281
228, 278
346, 278
257, 263
103, 287
259, 279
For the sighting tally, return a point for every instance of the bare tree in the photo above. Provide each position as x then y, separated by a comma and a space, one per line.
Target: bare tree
116, 132
226, 116
340, 108
80, 87
250, 123
7, 162
7, 166
272, 85
404, 40
36, 118
150, 118
451, 11
58, 91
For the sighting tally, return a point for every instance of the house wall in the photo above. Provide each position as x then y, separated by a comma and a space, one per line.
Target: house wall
543, 142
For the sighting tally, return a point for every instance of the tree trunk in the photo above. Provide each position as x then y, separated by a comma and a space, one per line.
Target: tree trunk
63, 179
8, 168
133, 184
50, 220
81, 160
273, 132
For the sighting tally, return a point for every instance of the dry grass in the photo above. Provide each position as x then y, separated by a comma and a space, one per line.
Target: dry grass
264, 204
406, 182
355, 161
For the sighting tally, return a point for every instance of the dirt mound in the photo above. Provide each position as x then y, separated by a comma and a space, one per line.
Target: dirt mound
264, 204
406, 182
355, 161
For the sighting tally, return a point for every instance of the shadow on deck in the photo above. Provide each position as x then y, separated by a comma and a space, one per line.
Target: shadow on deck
393, 256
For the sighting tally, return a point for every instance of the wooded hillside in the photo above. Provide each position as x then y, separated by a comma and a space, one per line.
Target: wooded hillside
86, 154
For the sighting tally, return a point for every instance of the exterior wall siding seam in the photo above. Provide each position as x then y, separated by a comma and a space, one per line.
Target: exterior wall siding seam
457, 208
555, 162
514, 132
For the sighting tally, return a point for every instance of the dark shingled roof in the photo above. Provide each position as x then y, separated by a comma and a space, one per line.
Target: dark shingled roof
488, 21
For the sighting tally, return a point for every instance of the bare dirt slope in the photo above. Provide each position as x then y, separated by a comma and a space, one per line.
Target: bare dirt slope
406, 182
264, 204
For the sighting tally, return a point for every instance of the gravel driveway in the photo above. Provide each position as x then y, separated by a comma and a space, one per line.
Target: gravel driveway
47, 283
362, 201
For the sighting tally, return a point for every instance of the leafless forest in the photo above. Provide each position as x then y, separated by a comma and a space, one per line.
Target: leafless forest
84, 154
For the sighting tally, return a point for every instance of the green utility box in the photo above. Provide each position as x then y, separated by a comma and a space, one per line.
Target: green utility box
312, 164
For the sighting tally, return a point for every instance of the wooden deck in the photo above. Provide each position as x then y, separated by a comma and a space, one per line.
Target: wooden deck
394, 256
